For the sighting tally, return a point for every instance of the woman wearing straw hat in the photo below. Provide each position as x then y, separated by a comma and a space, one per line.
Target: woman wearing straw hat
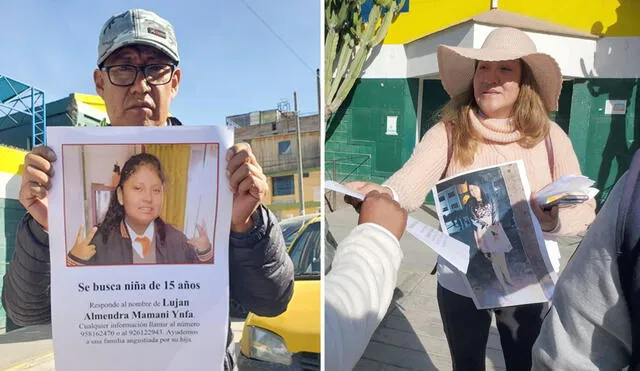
501, 95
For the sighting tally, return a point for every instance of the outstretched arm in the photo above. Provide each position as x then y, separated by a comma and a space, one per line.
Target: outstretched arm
360, 285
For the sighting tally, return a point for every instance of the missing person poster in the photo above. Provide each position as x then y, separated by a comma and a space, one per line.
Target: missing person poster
488, 209
139, 224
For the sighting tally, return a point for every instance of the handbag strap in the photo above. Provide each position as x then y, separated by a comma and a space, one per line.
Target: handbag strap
549, 145
448, 128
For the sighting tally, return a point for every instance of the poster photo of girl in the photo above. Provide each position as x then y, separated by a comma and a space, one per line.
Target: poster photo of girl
490, 237
157, 213
477, 208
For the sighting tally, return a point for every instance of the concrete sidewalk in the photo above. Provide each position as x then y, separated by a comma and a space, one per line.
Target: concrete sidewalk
411, 335
28, 348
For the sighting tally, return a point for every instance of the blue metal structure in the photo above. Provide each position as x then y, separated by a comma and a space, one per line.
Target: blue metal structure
21, 104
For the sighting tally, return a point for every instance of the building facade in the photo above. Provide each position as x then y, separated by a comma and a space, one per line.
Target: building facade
75, 110
395, 100
276, 149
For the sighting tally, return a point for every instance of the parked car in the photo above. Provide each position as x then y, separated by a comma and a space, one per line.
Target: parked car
290, 227
291, 339
330, 247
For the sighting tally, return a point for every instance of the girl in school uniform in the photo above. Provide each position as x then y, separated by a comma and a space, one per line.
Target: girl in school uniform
132, 231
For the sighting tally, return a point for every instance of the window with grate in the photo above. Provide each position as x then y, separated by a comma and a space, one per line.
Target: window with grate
283, 185
284, 147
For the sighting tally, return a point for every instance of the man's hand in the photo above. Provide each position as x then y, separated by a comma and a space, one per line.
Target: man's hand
248, 184
548, 218
83, 249
363, 188
381, 209
36, 182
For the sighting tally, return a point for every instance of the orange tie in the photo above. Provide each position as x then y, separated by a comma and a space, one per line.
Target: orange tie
146, 245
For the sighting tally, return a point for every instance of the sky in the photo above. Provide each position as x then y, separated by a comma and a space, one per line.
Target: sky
232, 63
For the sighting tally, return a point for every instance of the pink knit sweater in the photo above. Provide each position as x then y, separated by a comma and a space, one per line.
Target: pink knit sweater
420, 173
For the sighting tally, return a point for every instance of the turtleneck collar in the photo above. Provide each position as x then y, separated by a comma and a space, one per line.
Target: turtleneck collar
494, 130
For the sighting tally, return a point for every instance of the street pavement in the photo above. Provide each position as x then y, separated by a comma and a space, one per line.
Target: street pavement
411, 336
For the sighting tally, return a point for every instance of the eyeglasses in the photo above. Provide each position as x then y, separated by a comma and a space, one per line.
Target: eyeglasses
126, 74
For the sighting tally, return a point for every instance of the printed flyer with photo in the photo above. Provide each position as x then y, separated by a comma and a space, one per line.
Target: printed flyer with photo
139, 222
488, 209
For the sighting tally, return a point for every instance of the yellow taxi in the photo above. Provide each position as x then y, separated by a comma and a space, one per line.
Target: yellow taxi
292, 338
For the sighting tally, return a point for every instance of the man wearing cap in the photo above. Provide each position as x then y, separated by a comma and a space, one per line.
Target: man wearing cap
137, 77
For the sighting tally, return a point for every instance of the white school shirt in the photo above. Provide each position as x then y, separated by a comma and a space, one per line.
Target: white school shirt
137, 246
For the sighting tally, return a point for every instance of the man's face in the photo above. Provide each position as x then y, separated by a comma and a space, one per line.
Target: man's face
140, 104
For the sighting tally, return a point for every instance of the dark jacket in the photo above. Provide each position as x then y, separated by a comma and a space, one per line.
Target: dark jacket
260, 273
171, 247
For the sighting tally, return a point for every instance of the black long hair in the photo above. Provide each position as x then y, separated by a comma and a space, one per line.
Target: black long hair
478, 209
115, 213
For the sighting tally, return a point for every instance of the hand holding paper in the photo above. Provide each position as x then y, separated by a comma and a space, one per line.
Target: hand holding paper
454, 251
248, 184
36, 181
380, 209
548, 216
361, 189
569, 189
347, 191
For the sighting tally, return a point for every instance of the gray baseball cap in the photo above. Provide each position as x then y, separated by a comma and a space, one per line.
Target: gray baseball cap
137, 26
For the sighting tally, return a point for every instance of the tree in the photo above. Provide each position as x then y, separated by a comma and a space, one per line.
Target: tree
348, 41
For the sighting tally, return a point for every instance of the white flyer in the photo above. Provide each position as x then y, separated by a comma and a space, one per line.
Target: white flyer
139, 221
489, 210
454, 251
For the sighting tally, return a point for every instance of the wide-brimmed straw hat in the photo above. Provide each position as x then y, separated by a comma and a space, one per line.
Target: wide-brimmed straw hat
457, 65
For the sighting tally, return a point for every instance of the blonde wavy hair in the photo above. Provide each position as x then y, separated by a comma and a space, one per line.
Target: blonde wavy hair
530, 115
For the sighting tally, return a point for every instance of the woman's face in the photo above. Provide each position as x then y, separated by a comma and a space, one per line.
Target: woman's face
496, 86
475, 192
142, 196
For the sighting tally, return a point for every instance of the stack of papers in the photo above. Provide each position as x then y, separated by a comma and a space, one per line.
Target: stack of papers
569, 189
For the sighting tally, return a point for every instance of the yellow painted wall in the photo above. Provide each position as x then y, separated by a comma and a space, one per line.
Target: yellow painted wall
427, 16
313, 180
11, 160
608, 17
93, 100
599, 17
